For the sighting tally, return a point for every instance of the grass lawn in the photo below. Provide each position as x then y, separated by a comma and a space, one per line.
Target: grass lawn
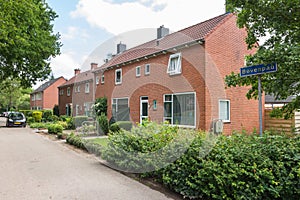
99, 141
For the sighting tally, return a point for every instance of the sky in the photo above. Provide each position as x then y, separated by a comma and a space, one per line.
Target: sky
91, 29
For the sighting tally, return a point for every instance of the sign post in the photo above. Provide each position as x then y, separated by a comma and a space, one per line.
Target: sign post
258, 70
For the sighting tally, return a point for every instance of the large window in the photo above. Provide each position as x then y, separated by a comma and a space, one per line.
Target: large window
224, 110
180, 109
120, 109
38, 96
174, 65
118, 76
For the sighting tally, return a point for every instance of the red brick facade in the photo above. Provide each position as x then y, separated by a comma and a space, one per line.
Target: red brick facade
46, 96
204, 66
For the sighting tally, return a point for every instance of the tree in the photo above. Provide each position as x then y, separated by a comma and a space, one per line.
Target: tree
13, 95
27, 41
275, 25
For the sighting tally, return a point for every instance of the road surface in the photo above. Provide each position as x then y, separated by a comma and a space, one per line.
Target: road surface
33, 167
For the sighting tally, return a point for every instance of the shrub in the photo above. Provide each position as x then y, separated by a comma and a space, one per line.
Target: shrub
27, 113
62, 136
55, 128
100, 106
127, 125
29, 120
103, 123
114, 128
56, 110
37, 115
78, 120
39, 125
146, 148
47, 114
76, 141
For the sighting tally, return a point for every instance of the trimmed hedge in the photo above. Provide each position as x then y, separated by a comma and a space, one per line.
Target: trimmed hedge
55, 128
37, 115
76, 141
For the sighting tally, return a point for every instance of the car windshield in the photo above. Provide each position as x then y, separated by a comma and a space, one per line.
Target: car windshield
16, 116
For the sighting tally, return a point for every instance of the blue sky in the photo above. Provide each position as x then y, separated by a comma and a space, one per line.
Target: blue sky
90, 29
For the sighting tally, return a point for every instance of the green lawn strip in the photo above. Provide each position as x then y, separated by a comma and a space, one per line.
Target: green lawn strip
99, 141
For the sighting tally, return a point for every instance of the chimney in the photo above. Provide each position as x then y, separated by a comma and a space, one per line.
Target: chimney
162, 32
94, 66
121, 47
77, 71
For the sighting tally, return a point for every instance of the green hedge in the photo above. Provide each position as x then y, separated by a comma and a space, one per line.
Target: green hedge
55, 128
76, 141
237, 167
37, 115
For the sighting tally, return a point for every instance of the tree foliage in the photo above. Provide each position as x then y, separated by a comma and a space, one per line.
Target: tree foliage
27, 41
275, 26
13, 95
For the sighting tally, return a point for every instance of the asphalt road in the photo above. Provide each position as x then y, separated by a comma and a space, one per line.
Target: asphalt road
34, 167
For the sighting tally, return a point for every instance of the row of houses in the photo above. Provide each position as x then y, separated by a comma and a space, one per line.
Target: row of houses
177, 77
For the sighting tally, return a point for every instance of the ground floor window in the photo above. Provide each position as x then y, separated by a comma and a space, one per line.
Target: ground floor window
120, 109
180, 109
224, 110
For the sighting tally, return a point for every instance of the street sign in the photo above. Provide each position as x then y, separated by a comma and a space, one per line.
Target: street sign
258, 69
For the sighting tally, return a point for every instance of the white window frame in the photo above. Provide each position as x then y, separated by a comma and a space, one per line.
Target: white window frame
102, 78
87, 88
177, 67
172, 112
138, 71
97, 80
147, 69
78, 88
116, 80
33, 97
228, 110
61, 92
68, 91
38, 96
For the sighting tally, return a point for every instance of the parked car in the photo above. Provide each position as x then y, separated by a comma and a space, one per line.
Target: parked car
16, 119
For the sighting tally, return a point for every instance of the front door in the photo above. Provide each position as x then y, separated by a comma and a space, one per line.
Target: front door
143, 108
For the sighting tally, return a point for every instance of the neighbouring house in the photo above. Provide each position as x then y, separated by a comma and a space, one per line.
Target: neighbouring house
179, 78
76, 96
46, 96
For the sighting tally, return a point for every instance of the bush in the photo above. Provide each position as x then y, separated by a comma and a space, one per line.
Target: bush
39, 125
114, 128
100, 106
27, 113
127, 125
37, 115
62, 136
56, 110
30, 120
78, 120
103, 123
239, 167
147, 147
47, 114
55, 128
76, 141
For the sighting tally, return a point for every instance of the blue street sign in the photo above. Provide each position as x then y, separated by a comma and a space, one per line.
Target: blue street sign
258, 69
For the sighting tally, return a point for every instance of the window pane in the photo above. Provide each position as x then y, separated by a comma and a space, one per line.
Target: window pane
184, 109
168, 109
145, 109
224, 110
168, 97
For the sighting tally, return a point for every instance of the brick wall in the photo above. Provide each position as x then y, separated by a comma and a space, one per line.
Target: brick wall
64, 99
50, 95
225, 52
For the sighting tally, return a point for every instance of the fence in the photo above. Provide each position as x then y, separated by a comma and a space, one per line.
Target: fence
280, 124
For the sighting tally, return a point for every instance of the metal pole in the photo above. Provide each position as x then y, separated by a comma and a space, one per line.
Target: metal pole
260, 105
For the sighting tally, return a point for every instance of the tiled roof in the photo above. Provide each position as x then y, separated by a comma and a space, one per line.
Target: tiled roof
46, 85
193, 33
79, 78
272, 99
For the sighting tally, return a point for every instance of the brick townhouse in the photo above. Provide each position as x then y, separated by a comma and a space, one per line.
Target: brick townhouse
179, 78
76, 96
46, 95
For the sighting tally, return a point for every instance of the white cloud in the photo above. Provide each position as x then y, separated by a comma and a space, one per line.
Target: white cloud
64, 64
122, 17
73, 33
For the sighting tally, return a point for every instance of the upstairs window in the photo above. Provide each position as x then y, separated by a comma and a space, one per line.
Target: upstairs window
224, 110
68, 91
147, 69
138, 71
87, 88
97, 80
61, 92
118, 76
174, 65
33, 97
102, 78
